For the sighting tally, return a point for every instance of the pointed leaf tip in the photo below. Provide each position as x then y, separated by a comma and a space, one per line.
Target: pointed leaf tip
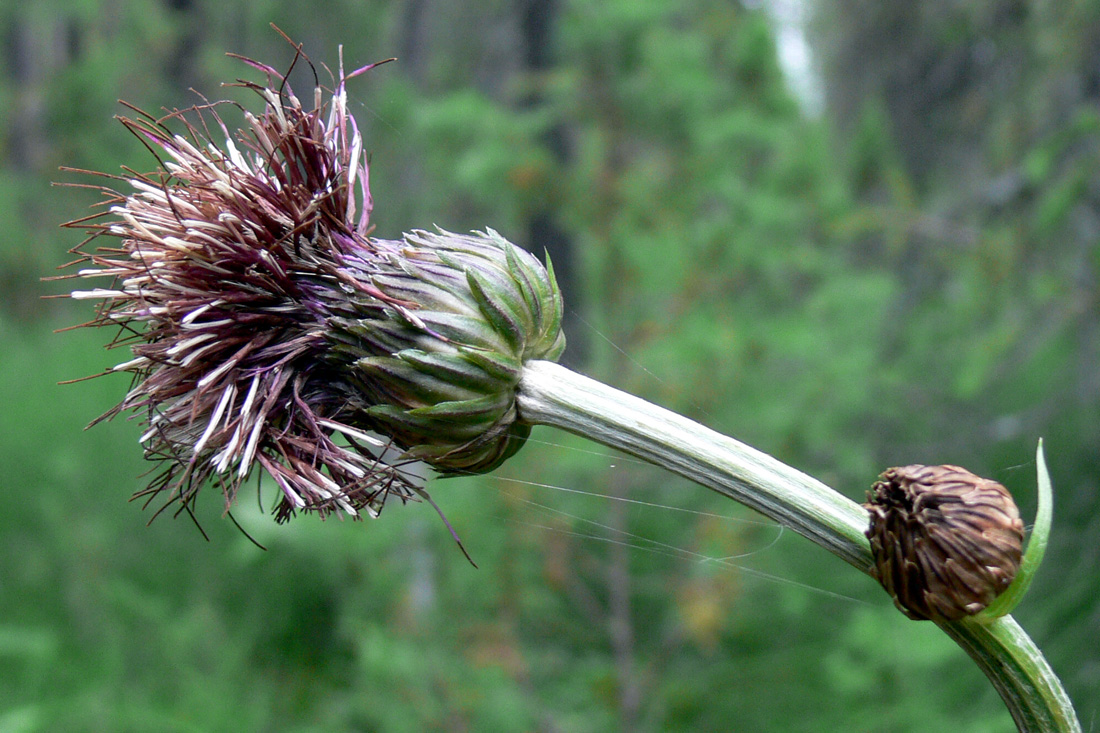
1036, 546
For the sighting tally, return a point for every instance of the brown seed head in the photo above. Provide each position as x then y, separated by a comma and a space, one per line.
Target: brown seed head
945, 542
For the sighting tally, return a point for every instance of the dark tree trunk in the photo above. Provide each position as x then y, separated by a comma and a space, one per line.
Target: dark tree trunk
543, 231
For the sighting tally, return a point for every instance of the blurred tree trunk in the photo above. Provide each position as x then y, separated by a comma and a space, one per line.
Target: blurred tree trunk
36, 45
411, 40
544, 234
182, 62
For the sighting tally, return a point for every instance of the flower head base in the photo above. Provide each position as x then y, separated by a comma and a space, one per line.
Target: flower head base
440, 377
268, 329
946, 543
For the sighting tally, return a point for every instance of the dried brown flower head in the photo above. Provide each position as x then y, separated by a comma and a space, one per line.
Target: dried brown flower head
945, 542
268, 329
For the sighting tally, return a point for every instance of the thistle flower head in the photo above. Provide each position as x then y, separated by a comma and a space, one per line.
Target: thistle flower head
945, 541
270, 332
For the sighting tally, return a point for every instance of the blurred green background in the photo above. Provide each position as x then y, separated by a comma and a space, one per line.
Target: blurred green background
852, 233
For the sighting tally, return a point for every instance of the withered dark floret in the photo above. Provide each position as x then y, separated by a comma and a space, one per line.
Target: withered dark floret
268, 329
945, 541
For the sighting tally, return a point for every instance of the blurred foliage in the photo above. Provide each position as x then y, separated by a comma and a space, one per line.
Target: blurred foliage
911, 277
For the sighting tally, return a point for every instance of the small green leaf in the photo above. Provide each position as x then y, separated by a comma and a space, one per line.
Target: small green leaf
1036, 548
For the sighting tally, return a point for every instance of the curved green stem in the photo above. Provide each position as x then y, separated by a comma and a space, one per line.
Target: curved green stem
550, 394
1032, 692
